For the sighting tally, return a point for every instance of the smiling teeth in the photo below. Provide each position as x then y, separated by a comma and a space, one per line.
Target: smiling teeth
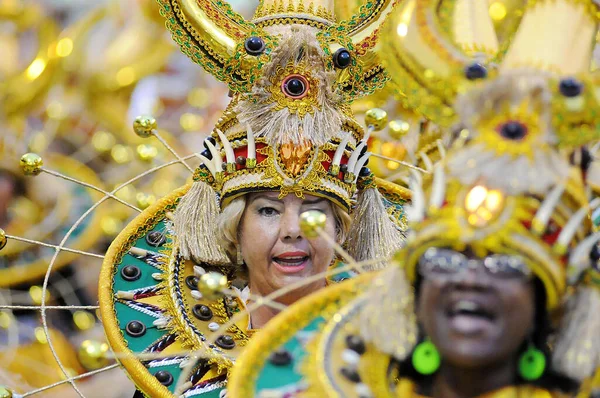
464, 305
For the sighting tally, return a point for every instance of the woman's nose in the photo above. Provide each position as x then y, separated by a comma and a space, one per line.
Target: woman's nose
290, 228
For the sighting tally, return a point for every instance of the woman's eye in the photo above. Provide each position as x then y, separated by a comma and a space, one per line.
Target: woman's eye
267, 211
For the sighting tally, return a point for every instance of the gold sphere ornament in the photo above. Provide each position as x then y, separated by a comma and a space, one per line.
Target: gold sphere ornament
398, 129
376, 118
92, 354
212, 284
31, 164
143, 126
5, 392
311, 222
3, 239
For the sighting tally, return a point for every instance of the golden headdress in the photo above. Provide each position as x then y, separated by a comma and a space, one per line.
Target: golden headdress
293, 72
517, 107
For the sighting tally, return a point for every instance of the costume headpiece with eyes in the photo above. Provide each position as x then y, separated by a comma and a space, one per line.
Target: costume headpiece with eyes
292, 71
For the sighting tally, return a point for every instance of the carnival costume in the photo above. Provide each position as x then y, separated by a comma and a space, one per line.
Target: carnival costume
292, 73
525, 120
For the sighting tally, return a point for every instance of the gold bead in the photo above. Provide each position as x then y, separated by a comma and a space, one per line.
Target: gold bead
376, 118
146, 153
3, 239
92, 354
212, 284
5, 392
398, 129
143, 126
311, 222
31, 164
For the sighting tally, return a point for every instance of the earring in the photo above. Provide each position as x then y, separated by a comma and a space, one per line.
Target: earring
532, 363
426, 358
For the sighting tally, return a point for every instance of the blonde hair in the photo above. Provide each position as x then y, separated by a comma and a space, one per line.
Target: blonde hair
228, 223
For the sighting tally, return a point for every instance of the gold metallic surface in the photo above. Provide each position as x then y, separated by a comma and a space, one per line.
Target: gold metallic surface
311, 222
376, 118
212, 284
31, 164
92, 354
143, 126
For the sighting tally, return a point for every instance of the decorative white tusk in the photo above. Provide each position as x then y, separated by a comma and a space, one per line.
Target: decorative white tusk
580, 257
441, 148
251, 144
337, 157
199, 271
229, 155
208, 163
161, 323
427, 161
354, 157
217, 158
360, 164
542, 216
570, 229
417, 209
439, 186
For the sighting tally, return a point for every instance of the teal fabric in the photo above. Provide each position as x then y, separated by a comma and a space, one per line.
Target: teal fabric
273, 377
137, 344
174, 370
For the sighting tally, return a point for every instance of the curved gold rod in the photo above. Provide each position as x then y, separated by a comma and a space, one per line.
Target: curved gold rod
426, 49
22, 91
211, 33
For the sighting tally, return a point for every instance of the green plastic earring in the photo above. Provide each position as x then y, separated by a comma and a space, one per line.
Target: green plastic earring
532, 364
426, 358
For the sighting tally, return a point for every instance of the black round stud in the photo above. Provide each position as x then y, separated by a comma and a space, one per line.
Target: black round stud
202, 312
350, 374
165, 378
131, 273
295, 87
356, 343
135, 328
155, 238
363, 150
254, 45
595, 253
225, 342
344, 168
207, 154
192, 282
365, 171
342, 58
241, 160
513, 130
570, 87
212, 141
475, 71
281, 358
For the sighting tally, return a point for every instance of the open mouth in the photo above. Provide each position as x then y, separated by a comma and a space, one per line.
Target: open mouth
469, 317
470, 309
291, 262
295, 261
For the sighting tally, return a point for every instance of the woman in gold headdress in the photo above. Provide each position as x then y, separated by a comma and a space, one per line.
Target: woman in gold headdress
286, 148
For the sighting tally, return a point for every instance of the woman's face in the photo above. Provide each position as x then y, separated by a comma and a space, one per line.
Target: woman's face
274, 248
474, 317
